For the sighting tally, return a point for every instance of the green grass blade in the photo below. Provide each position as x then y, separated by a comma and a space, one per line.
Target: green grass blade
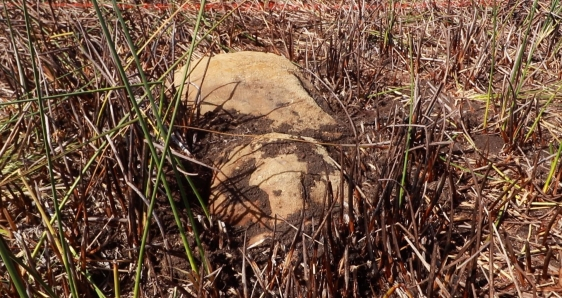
167, 131
553, 167
144, 127
64, 245
411, 104
7, 258
490, 96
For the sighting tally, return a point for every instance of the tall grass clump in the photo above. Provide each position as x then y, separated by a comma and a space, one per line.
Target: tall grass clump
82, 179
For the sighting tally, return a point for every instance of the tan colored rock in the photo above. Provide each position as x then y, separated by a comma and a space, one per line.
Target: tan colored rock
261, 85
278, 175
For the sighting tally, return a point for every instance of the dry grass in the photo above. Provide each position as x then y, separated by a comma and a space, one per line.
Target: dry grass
455, 182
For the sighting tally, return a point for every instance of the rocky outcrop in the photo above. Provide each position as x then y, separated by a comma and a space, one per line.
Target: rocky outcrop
284, 170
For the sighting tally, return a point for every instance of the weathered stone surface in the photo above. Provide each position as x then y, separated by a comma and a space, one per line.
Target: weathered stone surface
261, 85
276, 174
279, 174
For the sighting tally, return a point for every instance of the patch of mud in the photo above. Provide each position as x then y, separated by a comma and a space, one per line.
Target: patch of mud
491, 144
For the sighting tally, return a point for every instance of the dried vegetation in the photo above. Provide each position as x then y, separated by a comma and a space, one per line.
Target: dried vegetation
455, 109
